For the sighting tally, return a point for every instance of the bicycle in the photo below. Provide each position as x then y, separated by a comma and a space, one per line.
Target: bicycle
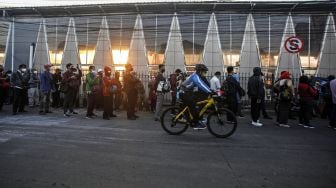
176, 120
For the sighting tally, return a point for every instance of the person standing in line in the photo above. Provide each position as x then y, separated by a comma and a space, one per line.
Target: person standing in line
239, 97
79, 75
159, 84
19, 81
256, 92
46, 87
4, 87
173, 85
56, 95
109, 87
152, 94
33, 91
307, 94
327, 97
284, 86
99, 96
118, 98
92, 88
232, 90
130, 82
69, 87
332, 115
215, 82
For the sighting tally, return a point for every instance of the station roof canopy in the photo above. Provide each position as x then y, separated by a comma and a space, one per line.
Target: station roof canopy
54, 8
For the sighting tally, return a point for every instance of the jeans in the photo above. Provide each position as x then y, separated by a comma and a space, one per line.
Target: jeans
45, 101
33, 96
159, 103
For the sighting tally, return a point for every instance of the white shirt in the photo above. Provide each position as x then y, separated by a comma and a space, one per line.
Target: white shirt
215, 83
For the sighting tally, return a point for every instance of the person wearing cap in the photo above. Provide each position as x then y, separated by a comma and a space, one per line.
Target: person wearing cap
19, 81
130, 82
56, 95
256, 92
70, 86
109, 88
284, 86
92, 87
159, 91
99, 95
33, 90
46, 87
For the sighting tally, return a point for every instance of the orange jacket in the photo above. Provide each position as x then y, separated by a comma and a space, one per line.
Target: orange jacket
108, 82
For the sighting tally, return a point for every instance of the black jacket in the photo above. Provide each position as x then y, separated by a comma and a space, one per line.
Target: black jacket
20, 80
255, 85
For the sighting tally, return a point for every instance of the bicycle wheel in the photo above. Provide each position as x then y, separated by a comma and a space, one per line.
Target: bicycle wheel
222, 124
172, 126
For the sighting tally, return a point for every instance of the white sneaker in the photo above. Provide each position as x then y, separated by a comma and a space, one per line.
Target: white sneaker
257, 124
284, 125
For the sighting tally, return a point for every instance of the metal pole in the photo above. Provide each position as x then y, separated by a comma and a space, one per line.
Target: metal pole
87, 40
193, 42
56, 47
230, 41
155, 45
269, 42
13, 37
309, 42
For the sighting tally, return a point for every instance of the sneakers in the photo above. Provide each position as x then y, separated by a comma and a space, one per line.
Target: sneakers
284, 125
199, 126
308, 126
66, 115
257, 124
73, 112
88, 117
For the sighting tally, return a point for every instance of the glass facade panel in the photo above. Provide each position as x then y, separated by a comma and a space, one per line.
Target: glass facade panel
278, 23
4, 29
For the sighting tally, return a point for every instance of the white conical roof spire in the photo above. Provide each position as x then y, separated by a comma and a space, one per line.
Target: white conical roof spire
103, 52
249, 56
326, 65
70, 54
137, 53
288, 61
212, 54
174, 55
41, 56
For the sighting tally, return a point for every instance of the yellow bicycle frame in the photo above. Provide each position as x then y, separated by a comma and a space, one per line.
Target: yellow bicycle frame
208, 103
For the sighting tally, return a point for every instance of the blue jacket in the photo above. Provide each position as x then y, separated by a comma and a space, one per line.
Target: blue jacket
195, 81
46, 82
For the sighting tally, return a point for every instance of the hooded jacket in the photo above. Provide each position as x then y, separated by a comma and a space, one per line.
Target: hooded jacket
256, 84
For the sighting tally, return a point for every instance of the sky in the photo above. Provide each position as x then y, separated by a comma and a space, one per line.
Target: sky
38, 3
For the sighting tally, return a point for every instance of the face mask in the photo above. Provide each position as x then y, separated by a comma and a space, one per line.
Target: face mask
204, 73
24, 70
94, 72
9, 74
35, 72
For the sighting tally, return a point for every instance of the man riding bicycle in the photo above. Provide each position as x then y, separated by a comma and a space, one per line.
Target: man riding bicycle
192, 88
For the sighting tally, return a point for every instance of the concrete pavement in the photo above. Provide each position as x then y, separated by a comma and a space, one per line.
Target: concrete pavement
53, 151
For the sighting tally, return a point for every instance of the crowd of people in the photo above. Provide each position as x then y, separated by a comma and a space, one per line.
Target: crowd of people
104, 90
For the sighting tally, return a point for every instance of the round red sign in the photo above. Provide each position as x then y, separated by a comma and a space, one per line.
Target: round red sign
294, 44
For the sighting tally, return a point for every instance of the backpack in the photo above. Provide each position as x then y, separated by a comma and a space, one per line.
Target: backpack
285, 93
228, 88
163, 86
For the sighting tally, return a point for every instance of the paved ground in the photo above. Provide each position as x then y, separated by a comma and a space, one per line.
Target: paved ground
53, 151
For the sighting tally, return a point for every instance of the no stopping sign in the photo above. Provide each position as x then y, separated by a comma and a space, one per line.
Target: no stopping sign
294, 44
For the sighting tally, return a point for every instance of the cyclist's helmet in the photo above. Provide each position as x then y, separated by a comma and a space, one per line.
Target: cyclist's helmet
201, 68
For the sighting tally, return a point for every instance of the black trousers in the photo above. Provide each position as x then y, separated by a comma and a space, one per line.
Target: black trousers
131, 102
3, 96
118, 100
108, 106
332, 116
174, 98
306, 109
91, 103
255, 108
189, 99
20, 99
69, 100
56, 97
283, 112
